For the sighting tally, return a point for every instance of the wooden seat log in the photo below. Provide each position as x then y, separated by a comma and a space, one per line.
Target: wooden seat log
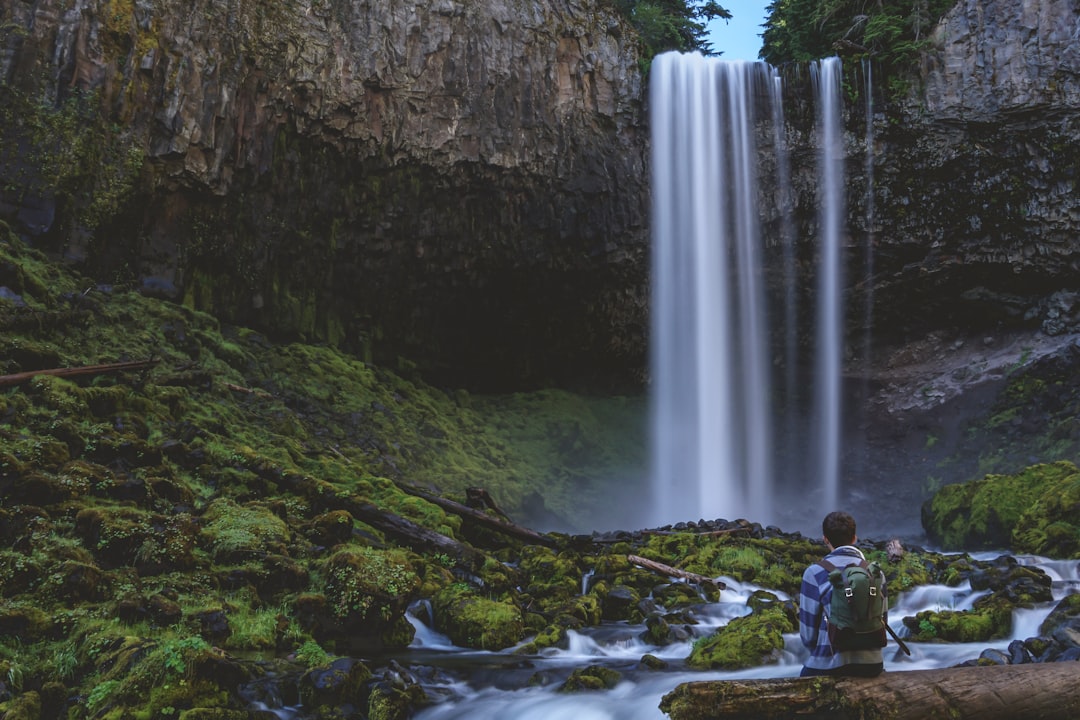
1048, 691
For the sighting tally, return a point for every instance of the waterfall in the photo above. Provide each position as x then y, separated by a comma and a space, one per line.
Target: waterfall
719, 416
826, 77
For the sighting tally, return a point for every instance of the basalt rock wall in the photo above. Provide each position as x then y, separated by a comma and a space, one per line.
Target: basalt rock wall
976, 217
461, 183
465, 184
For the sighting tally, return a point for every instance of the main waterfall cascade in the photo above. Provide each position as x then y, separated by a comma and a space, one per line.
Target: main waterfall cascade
730, 432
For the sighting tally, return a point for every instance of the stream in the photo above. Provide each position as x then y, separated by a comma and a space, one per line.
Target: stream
479, 685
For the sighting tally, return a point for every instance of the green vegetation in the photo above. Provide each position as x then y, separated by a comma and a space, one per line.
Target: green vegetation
1031, 511
747, 641
158, 526
76, 154
890, 31
671, 24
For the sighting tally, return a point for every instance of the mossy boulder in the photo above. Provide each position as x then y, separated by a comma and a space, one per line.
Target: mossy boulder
235, 532
368, 590
343, 680
475, 621
986, 621
593, 677
389, 702
1034, 510
747, 641
1062, 625
25, 706
1051, 525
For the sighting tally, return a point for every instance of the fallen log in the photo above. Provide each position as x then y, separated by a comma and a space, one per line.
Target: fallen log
481, 518
1000, 692
674, 572
82, 370
417, 537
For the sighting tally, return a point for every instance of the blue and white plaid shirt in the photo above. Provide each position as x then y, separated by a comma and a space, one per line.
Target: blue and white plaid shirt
814, 598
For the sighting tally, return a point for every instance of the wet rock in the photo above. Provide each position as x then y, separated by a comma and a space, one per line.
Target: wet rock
1062, 625
342, 682
330, 528
164, 611
594, 677
619, 603
994, 657
213, 625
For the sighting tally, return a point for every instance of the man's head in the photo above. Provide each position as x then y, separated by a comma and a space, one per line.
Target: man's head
838, 528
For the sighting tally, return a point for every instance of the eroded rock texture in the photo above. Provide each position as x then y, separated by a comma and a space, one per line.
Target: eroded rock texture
977, 211
459, 182
465, 183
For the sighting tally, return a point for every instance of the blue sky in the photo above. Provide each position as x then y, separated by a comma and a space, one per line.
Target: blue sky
740, 37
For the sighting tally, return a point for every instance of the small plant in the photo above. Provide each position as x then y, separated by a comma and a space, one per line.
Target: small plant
927, 628
173, 652
100, 694
311, 654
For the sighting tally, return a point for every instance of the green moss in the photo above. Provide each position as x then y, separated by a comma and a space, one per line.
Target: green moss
478, 622
365, 583
593, 677
233, 531
984, 513
748, 641
982, 624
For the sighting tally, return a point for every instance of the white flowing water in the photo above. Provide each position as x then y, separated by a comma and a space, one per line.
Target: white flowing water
479, 685
826, 78
498, 686
714, 405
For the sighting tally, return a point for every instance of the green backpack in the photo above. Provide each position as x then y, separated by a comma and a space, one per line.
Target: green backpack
857, 606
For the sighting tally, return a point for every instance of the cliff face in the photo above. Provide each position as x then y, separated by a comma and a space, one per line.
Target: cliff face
460, 182
465, 183
977, 211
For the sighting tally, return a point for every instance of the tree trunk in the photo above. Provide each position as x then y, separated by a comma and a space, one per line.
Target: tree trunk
481, 518
417, 537
1047, 691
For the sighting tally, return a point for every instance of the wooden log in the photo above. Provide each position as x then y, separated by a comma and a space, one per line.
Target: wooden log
1049, 691
82, 370
674, 572
417, 537
481, 518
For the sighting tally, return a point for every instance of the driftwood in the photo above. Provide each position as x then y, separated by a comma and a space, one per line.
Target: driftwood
481, 518
1001, 692
81, 371
674, 572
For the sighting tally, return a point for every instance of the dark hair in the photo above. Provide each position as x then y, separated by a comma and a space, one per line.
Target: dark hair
838, 528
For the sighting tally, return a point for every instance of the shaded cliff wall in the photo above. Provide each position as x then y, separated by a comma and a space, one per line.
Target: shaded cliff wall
977, 209
460, 182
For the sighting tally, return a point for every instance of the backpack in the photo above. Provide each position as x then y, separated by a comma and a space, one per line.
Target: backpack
857, 605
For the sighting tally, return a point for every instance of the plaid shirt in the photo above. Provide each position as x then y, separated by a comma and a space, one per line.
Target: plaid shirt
814, 598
